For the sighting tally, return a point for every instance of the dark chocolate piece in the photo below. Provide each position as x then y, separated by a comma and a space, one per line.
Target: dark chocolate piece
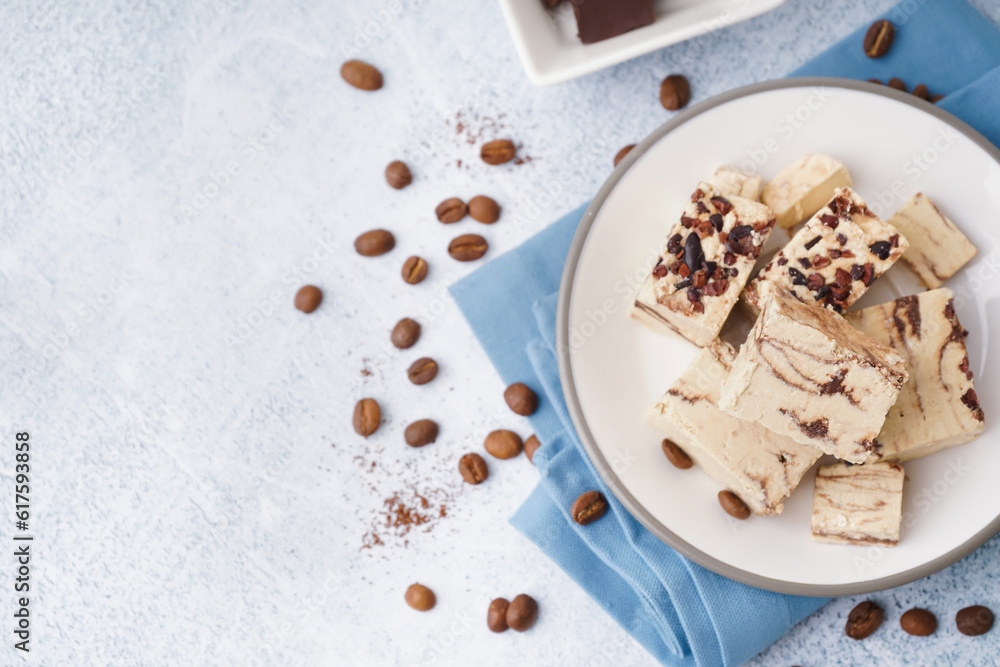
598, 20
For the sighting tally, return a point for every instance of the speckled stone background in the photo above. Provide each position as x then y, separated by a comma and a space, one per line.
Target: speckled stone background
171, 173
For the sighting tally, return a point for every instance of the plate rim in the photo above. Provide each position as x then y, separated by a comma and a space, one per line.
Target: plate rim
604, 468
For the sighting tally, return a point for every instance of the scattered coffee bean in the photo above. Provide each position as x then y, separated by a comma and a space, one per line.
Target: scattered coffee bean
361, 75
918, 622
734, 507
420, 597
503, 444
451, 210
863, 620
484, 210
589, 507
496, 617
422, 370
920, 90
374, 243
308, 298
498, 152
406, 333
367, 416
974, 621
676, 455
398, 175
468, 247
878, 81
414, 270
522, 613
897, 83
675, 92
521, 399
473, 468
878, 39
620, 155
531, 445
421, 433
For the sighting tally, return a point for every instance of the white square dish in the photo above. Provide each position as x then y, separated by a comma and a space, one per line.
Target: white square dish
547, 42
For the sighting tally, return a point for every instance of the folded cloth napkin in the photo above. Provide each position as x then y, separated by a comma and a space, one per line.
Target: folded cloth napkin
682, 613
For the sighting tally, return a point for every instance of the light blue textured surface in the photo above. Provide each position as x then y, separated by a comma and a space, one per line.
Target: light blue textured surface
199, 494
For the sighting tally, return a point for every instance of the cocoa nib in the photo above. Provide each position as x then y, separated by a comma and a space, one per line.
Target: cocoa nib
964, 367
660, 271
971, 400
701, 208
688, 222
681, 284
842, 277
881, 249
805, 263
716, 220
815, 281
820, 262
699, 279
740, 240
857, 272
674, 244
729, 258
705, 228
810, 244
869, 277
717, 287
840, 292
830, 221
797, 276
694, 296
841, 239
698, 194
894, 240
722, 204
782, 261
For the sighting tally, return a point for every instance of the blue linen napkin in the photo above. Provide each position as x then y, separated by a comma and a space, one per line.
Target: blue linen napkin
682, 613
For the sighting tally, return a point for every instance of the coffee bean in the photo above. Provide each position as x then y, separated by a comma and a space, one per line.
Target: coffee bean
361, 75
308, 298
496, 617
521, 399
468, 247
676, 455
484, 210
522, 613
451, 210
920, 90
405, 334
734, 507
589, 507
498, 152
863, 620
503, 444
367, 416
421, 433
675, 92
374, 243
422, 370
473, 468
974, 621
414, 270
918, 622
620, 155
398, 175
420, 597
878, 39
897, 83
531, 445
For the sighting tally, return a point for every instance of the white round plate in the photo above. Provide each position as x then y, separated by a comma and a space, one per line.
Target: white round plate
613, 368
